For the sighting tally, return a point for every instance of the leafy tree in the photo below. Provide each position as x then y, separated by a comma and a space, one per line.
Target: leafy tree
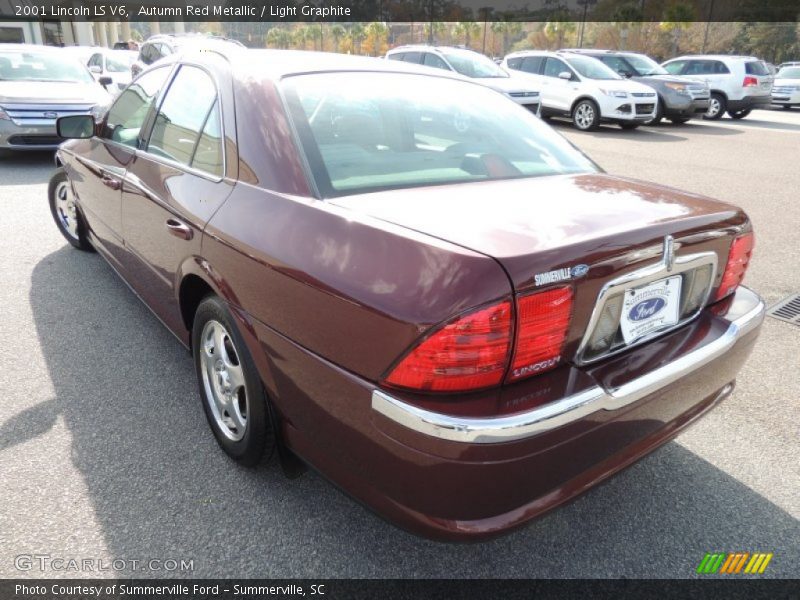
678, 19
357, 35
466, 30
432, 30
376, 34
337, 32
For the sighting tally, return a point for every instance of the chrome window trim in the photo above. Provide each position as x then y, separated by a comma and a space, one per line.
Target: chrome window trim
747, 305
669, 265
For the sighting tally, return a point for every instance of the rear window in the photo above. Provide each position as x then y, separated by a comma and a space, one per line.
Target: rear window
756, 67
377, 131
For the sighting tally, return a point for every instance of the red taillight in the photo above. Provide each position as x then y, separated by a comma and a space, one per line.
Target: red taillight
750, 82
542, 322
738, 259
472, 352
468, 353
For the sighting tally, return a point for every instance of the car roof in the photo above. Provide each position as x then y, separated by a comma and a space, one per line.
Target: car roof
277, 64
31, 48
190, 38
713, 57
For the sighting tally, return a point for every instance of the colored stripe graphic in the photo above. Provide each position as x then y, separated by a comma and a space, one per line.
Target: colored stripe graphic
733, 562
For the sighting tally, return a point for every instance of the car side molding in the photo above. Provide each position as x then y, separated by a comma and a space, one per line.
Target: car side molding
747, 305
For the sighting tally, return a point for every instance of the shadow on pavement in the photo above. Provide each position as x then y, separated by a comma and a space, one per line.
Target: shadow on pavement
162, 489
23, 168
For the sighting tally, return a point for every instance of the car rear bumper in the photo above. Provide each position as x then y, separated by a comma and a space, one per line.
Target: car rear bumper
750, 102
451, 470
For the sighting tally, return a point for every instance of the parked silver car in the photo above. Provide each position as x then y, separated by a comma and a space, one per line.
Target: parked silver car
37, 86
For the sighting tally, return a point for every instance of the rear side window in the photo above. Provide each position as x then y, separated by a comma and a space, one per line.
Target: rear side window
707, 67
756, 67
187, 128
514, 63
413, 57
532, 64
396, 56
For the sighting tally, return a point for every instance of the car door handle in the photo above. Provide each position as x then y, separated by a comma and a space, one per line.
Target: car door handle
114, 184
179, 229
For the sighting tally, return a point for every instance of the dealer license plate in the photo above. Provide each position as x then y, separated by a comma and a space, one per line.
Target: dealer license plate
650, 308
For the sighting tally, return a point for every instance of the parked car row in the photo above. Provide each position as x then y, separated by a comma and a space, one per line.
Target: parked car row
394, 275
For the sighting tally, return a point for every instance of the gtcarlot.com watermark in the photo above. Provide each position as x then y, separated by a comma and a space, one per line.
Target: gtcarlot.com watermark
47, 562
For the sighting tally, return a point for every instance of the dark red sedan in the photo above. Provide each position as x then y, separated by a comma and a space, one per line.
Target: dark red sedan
408, 281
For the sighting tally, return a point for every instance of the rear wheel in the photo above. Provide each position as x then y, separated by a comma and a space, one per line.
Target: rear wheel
739, 114
65, 211
233, 397
716, 107
586, 115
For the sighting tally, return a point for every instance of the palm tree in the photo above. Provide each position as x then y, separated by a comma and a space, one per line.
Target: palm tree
337, 32
507, 29
376, 32
357, 36
432, 29
559, 30
300, 36
279, 37
314, 33
679, 17
466, 29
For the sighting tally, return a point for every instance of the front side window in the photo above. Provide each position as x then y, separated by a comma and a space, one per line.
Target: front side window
189, 105
431, 60
553, 67
371, 132
128, 113
675, 67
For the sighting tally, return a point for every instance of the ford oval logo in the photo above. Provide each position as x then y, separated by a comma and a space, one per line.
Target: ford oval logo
579, 271
647, 308
50, 114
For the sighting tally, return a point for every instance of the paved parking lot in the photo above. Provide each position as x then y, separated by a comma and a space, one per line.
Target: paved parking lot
105, 452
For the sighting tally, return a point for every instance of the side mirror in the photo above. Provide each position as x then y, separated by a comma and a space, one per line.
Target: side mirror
96, 69
626, 74
75, 127
565, 75
105, 81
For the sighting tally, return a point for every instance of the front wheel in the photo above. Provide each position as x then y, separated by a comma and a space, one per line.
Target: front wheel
739, 114
716, 107
65, 211
586, 115
230, 388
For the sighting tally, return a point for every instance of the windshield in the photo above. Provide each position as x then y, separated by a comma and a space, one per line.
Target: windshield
789, 73
645, 65
473, 64
591, 68
378, 131
120, 61
41, 66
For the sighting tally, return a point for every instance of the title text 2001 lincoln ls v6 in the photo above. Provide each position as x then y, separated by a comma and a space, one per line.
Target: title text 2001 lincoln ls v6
407, 280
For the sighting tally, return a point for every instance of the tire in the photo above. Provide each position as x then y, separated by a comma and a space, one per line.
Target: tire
586, 115
231, 391
739, 114
629, 126
785, 107
65, 211
716, 107
680, 120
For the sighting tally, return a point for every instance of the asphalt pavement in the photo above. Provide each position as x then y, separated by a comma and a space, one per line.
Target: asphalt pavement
105, 453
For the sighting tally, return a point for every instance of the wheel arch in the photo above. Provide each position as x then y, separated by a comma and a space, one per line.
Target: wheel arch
584, 97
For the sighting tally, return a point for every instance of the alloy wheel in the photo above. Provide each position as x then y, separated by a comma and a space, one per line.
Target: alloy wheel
223, 380
714, 107
584, 116
66, 210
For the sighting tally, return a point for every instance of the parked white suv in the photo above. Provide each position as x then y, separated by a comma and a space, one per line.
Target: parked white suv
786, 88
738, 83
469, 64
584, 89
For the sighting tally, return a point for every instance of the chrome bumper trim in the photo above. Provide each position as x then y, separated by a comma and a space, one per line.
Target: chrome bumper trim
747, 304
